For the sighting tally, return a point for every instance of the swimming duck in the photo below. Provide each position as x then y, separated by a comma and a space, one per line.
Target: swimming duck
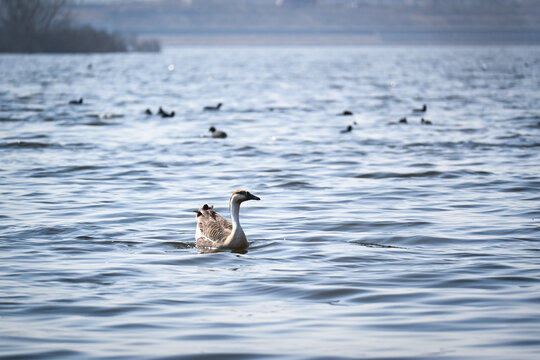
76, 102
213, 108
403, 120
425, 122
148, 112
214, 231
165, 114
347, 129
217, 134
346, 113
423, 109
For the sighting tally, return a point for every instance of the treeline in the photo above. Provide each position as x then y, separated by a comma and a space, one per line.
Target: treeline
44, 26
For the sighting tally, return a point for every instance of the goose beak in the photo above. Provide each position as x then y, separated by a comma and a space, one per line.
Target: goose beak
253, 197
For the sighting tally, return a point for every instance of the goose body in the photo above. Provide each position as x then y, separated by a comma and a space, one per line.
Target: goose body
214, 231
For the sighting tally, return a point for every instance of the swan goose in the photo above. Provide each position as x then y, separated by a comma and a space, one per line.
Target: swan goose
214, 231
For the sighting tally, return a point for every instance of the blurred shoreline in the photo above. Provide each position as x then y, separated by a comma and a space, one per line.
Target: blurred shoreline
387, 39
318, 22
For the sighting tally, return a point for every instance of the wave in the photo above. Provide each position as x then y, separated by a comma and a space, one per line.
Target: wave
27, 145
422, 174
65, 170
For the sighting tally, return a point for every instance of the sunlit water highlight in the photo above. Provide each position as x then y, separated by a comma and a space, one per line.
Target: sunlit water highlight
391, 241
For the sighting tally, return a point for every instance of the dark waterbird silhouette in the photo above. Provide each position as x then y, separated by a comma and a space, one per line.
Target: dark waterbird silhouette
213, 108
76, 102
217, 134
346, 113
403, 120
425, 122
423, 109
347, 129
148, 112
165, 114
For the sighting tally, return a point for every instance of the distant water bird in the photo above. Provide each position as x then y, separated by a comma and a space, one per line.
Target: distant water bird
425, 122
214, 231
148, 112
422, 109
217, 134
347, 129
76, 102
213, 108
403, 120
346, 113
165, 114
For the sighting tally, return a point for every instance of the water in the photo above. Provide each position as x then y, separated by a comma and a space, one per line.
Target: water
393, 241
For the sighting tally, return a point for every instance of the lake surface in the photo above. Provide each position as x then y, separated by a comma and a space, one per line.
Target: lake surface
401, 241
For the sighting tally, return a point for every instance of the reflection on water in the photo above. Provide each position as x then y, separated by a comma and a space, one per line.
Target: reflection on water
392, 240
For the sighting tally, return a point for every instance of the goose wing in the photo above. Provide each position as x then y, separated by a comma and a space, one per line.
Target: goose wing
212, 228
224, 223
208, 210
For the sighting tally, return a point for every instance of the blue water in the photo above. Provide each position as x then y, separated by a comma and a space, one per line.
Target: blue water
401, 241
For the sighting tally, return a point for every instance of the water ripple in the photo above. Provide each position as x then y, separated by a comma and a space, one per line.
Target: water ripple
389, 242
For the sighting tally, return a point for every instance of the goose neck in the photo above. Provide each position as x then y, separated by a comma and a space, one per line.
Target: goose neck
234, 208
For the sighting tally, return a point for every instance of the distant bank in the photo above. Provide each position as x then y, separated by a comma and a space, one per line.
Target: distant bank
319, 22
348, 39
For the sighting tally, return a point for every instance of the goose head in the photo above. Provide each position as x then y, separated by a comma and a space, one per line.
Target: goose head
239, 196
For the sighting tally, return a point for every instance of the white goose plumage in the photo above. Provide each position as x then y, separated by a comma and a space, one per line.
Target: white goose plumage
214, 231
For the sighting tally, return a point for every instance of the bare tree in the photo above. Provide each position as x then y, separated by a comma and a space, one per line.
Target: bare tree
37, 15
24, 22
28, 26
